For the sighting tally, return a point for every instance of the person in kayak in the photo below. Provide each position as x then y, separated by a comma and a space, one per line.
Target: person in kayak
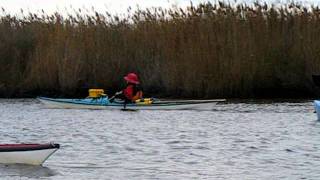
132, 92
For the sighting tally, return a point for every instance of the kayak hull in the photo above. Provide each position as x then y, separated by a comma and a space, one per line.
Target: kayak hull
61, 104
105, 104
31, 154
317, 108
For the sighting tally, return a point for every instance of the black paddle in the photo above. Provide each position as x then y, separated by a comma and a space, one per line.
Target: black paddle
125, 102
115, 95
112, 98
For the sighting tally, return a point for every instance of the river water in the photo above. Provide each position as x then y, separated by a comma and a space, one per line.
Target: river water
234, 140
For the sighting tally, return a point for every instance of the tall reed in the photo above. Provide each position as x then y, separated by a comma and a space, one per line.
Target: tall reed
208, 50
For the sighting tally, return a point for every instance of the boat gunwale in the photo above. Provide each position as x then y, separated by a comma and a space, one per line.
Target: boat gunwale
131, 104
27, 147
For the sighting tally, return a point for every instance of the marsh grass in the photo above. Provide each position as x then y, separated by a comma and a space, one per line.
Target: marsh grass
208, 50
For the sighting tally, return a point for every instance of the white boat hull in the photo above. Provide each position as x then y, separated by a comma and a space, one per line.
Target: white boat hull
34, 157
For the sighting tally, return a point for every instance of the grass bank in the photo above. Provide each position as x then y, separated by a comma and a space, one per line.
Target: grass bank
207, 50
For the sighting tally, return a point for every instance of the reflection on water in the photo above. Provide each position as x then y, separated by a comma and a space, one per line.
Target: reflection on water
256, 140
26, 171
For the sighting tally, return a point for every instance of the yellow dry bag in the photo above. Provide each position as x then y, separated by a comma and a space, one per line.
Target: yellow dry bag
95, 93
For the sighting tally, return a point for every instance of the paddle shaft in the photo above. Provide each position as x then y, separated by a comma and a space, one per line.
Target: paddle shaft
118, 93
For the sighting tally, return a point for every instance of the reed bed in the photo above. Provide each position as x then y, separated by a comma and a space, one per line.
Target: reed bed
203, 51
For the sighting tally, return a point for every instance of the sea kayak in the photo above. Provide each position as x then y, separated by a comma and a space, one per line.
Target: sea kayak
104, 103
32, 154
317, 108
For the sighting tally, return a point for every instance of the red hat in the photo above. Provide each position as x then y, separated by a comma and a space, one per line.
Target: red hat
132, 78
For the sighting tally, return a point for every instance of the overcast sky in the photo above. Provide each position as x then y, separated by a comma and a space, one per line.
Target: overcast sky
118, 6
113, 6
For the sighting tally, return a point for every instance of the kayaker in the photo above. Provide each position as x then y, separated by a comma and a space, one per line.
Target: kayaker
132, 92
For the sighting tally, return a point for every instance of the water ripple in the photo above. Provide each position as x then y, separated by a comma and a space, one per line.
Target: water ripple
237, 140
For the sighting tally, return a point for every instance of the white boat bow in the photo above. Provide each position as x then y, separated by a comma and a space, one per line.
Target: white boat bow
33, 154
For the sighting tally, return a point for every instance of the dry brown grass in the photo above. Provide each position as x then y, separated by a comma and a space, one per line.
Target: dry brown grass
204, 51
